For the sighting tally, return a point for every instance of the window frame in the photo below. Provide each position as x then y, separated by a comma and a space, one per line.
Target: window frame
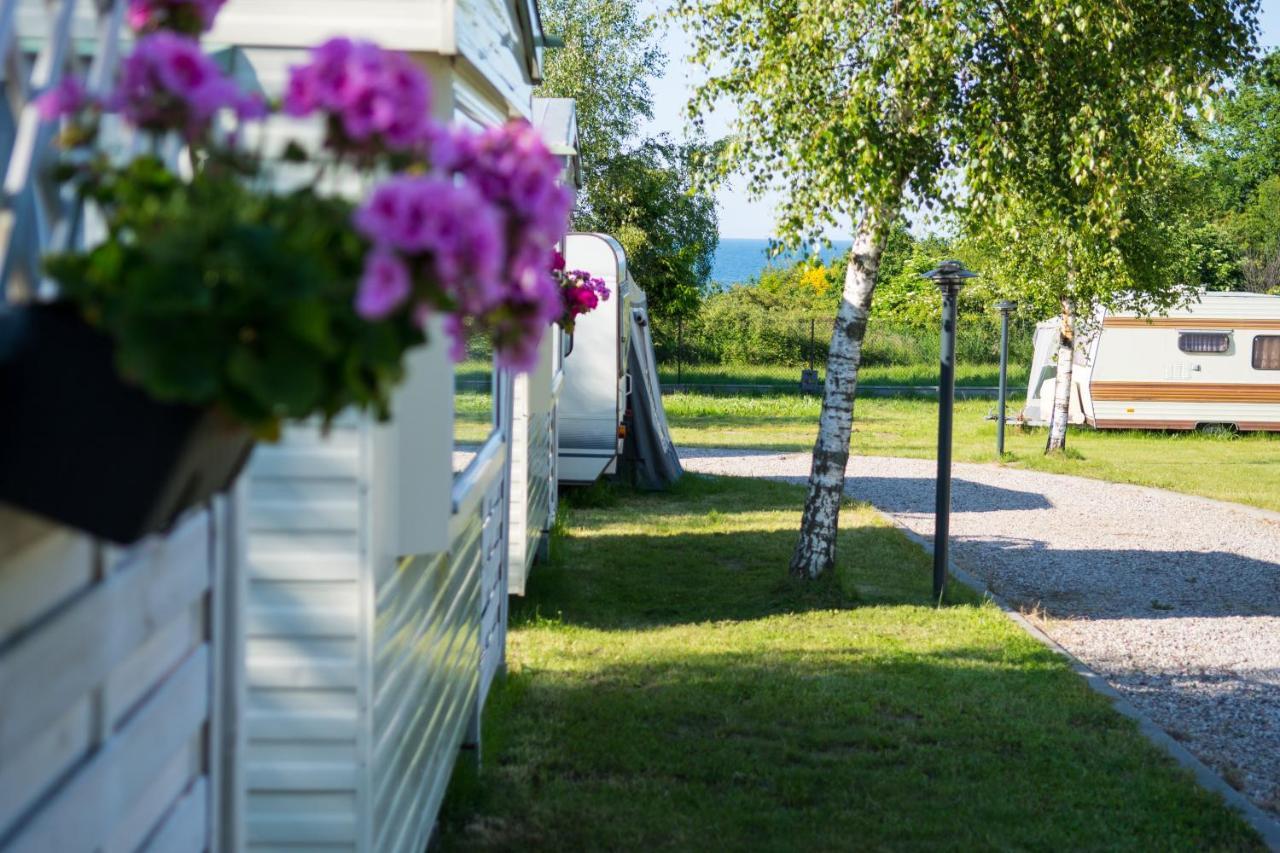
1204, 334
1253, 356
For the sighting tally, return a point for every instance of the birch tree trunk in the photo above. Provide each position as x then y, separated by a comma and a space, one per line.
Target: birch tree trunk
1057, 440
816, 550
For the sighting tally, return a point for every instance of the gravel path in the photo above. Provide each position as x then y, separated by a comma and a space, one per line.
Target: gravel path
1175, 599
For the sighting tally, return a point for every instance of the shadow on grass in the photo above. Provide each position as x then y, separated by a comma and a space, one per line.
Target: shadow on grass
671, 688
812, 744
711, 549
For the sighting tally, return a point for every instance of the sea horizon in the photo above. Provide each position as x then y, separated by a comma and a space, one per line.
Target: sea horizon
742, 259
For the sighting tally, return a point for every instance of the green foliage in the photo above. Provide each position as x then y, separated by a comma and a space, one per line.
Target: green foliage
1255, 233
219, 296
608, 58
643, 194
670, 232
769, 321
1240, 147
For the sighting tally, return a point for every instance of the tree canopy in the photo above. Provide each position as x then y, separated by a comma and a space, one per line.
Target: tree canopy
669, 230
639, 190
609, 56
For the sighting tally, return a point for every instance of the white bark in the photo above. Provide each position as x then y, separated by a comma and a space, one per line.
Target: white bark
816, 550
1062, 381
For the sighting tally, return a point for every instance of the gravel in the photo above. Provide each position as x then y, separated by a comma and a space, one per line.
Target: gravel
1174, 599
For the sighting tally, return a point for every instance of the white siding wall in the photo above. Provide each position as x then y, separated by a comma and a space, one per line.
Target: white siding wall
306, 626
108, 662
533, 463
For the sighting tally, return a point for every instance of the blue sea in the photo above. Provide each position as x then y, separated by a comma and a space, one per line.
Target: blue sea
739, 260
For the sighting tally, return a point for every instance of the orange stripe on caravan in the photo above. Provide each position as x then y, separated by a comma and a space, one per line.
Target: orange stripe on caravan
1188, 323
1185, 392
1243, 426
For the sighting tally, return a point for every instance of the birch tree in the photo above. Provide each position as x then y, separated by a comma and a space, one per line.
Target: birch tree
859, 110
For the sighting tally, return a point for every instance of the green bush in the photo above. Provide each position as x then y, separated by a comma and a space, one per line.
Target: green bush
749, 326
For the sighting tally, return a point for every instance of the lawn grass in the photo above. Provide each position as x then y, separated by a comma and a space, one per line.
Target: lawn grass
1234, 468
670, 688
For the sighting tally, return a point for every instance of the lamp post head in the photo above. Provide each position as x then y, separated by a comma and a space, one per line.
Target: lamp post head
950, 275
1004, 306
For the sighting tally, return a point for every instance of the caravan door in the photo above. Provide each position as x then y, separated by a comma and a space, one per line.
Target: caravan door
592, 397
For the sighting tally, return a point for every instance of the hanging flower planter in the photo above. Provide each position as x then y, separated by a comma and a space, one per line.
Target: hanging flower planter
580, 293
225, 300
75, 433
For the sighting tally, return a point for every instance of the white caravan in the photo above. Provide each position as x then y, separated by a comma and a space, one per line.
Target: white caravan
593, 397
1216, 362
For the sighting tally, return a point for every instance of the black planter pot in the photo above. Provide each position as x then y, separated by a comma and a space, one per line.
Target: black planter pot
83, 448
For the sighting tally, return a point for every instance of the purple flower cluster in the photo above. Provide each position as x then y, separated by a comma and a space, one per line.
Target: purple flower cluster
476, 239
168, 83
67, 98
434, 229
512, 168
581, 294
185, 16
373, 99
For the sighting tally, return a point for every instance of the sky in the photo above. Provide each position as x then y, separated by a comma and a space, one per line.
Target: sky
741, 216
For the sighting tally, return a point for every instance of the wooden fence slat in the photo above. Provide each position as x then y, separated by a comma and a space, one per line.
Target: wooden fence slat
99, 631
81, 813
186, 827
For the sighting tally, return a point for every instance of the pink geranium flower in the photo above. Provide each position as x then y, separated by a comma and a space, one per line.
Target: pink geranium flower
167, 83
67, 98
384, 287
372, 98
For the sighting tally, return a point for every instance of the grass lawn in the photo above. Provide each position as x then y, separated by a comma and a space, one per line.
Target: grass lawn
1240, 468
670, 688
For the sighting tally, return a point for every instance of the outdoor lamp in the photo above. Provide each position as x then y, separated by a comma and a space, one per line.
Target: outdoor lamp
1005, 307
950, 276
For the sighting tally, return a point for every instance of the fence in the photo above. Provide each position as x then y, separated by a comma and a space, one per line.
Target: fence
761, 338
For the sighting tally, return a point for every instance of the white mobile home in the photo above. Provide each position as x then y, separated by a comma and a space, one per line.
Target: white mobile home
535, 422
377, 578
593, 398
1216, 362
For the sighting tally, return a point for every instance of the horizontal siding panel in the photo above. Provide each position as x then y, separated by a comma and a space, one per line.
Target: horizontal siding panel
304, 516
289, 566
274, 546
314, 726
303, 674
303, 829
299, 776
341, 621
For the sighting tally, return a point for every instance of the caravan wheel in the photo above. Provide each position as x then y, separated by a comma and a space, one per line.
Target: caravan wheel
1220, 430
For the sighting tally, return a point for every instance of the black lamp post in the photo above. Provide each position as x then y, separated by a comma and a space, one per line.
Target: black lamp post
1005, 307
950, 277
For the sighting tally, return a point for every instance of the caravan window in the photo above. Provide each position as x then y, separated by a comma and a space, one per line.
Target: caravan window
1204, 341
1266, 352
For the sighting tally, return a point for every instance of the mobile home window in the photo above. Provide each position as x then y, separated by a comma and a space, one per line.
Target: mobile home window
1266, 352
1204, 341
